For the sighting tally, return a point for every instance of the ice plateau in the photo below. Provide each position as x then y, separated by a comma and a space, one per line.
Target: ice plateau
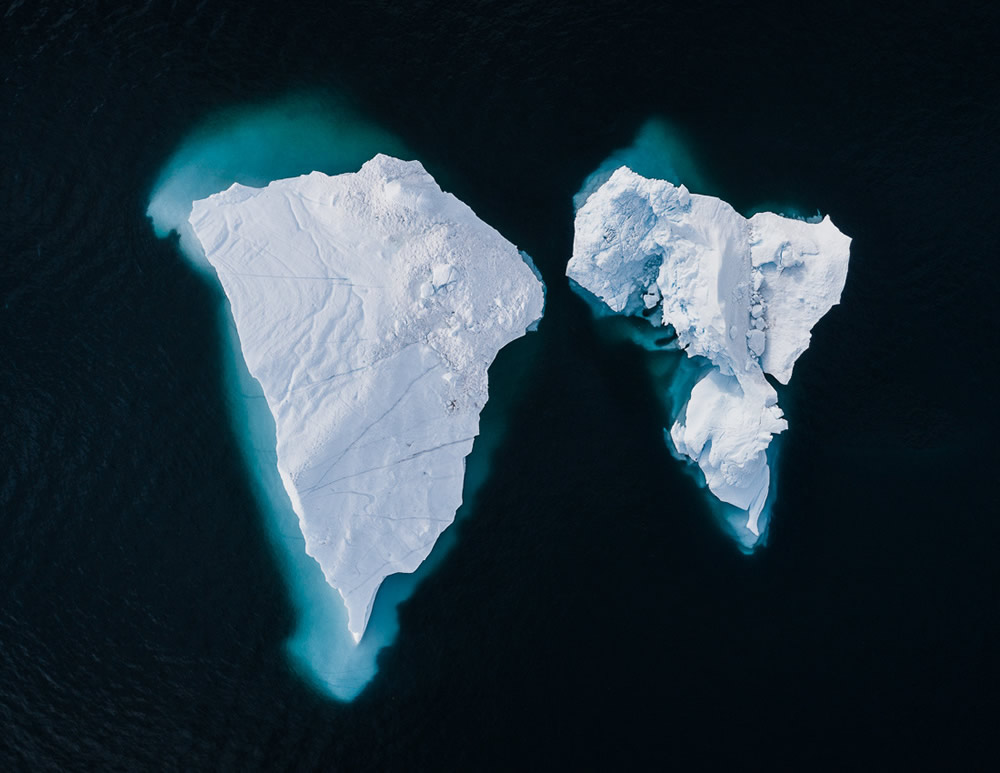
743, 293
369, 306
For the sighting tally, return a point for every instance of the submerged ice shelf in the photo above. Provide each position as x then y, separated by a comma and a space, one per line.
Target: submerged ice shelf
742, 293
369, 306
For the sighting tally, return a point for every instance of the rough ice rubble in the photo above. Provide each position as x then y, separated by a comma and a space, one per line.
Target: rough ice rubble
744, 293
369, 307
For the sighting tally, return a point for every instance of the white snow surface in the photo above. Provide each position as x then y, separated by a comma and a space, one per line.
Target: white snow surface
368, 306
744, 293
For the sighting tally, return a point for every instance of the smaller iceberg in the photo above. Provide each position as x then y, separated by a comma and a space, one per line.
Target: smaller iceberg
742, 293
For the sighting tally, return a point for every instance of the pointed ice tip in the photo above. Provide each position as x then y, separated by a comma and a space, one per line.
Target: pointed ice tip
357, 620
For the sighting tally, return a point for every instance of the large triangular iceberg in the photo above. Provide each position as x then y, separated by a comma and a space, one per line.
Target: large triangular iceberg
369, 307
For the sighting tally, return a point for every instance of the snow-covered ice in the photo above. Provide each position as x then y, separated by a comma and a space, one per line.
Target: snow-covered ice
743, 293
369, 306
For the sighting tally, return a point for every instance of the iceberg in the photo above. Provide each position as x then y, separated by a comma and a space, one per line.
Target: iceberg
742, 293
368, 306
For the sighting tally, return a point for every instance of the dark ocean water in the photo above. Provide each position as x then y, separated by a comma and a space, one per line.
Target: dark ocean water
590, 614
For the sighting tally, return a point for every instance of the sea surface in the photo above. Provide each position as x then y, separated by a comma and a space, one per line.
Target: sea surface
589, 613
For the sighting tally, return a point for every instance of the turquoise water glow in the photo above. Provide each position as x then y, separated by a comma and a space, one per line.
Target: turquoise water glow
660, 151
256, 144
